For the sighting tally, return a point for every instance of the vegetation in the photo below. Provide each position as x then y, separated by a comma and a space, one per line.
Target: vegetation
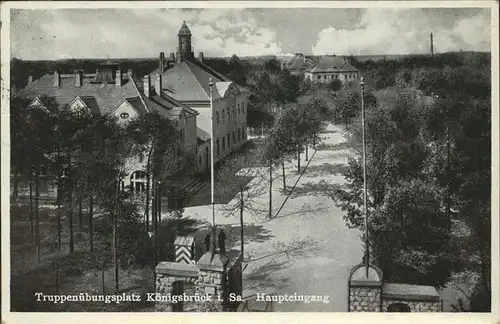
428, 161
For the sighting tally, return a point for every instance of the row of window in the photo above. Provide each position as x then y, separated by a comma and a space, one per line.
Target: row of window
228, 114
237, 137
336, 76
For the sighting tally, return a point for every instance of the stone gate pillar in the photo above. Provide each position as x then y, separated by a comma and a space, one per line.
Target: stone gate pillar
212, 281
365, 292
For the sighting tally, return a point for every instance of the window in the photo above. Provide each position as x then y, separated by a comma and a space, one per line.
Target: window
223, 144
218, 147
217, 118
199, 160
234, 137
228, 114
239, 135
228, 141
239, 109
222, 116
124, 115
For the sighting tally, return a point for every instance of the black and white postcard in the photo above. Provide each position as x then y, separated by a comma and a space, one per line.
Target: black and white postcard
328, 157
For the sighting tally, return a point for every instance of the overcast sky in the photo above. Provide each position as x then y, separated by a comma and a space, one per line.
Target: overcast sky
101, 33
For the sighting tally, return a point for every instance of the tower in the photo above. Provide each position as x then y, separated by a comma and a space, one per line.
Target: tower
432, 45
184, 49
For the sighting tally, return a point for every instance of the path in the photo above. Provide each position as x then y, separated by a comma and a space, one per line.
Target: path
320, 248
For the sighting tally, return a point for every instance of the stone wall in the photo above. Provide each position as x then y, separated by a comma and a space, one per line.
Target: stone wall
164, 285
364, 299
211, 283
415, 305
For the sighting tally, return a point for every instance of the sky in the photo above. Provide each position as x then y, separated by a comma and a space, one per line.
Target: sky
132, 33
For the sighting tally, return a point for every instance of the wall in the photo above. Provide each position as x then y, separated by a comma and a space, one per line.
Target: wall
364, 299
415, 305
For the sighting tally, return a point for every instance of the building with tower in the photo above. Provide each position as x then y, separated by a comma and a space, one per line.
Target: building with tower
186, 79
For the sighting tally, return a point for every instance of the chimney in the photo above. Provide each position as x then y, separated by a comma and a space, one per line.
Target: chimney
78, 78
432, 45
201, 57
119, 78
147, 85
158, 84
172, 57
57, 79
162, 62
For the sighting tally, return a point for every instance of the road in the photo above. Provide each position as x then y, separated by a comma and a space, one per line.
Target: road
307, 249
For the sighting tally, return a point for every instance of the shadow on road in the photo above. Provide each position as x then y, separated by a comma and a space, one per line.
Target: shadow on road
333, 147
326, 169
321, 188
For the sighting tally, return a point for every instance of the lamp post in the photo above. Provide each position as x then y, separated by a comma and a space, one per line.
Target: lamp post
212, 166
367, 248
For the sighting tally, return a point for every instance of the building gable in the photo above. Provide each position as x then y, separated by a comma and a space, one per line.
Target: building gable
78, 105
124, 112
37, 103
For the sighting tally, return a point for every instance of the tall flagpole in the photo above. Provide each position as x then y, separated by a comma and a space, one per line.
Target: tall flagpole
367, 248
211, 84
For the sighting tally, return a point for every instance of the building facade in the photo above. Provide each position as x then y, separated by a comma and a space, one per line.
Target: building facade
332, 68
110, 91
187, 80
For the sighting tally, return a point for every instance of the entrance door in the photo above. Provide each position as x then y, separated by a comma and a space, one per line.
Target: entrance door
399, 308
178, 290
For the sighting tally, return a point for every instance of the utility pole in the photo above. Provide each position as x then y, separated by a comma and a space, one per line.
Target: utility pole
367, 247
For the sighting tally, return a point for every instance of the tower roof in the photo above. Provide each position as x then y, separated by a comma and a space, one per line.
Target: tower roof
184, 31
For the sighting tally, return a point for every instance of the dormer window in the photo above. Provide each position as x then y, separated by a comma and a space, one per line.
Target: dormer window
124, 115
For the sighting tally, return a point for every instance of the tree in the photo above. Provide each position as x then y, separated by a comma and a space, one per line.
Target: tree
400, 192
335, 85
234, 178
347, 103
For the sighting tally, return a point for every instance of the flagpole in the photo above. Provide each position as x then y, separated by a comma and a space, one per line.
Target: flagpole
367, 248
211, 84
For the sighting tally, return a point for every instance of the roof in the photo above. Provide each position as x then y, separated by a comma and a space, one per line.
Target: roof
184, 240
104, 98
202, 135
184, 31
204, 120
333, 64
298, 61
412, 292
189, 81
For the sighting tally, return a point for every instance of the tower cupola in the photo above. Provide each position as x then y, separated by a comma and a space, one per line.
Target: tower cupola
184, 49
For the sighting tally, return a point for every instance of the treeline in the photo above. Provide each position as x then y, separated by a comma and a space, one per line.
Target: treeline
428, 166
87, 158
383, 73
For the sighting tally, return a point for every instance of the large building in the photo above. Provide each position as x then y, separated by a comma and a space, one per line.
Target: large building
187, 80
178, 90
109, 91
331, 68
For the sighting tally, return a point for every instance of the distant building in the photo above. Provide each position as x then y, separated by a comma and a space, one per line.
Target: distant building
297, 65
186, 79
332, 68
